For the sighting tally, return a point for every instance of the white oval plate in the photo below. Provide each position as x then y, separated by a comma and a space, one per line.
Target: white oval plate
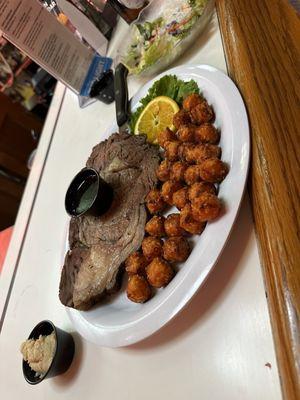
119, 322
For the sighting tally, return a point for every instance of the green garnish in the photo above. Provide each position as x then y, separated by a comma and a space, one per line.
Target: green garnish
170, 86
147, 28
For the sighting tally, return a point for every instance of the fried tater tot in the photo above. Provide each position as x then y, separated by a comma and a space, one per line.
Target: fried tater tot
188, 223
172, 225
176, 249
154, 201
202, 113
206, 207
163, 171
171, 150
152, 247
155, 226
206, 133
177, 171
181, 118
138, 289
192, 174
159, 272
213, 170
164, 136
202, 152
191, 101
168, 189
198, 188
135, 263
186, 133
180, 198
184, 150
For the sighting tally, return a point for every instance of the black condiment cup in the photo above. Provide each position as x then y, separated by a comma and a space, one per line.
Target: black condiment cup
63, 355
98, 204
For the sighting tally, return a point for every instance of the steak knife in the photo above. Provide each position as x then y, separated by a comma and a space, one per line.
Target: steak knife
121, 95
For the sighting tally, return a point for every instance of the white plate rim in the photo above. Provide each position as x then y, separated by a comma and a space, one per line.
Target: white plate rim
141, 328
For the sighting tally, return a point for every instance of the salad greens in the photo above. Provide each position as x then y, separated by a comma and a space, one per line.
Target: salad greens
170, 86
152, 40
147, 28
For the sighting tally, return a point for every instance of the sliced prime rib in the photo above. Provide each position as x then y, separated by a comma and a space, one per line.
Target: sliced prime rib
99, 245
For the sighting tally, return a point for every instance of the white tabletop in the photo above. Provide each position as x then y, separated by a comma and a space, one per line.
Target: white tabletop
219, 347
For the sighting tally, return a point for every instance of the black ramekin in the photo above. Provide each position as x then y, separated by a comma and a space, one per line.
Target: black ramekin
63, 355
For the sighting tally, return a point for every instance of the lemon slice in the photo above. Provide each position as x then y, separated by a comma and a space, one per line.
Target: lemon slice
157, 116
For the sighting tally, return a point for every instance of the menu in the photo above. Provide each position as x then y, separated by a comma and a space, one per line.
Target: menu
30, 27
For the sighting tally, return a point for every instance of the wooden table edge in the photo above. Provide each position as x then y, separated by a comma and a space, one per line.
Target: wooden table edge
262, 48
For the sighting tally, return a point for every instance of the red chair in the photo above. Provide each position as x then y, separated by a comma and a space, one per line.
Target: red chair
4, 243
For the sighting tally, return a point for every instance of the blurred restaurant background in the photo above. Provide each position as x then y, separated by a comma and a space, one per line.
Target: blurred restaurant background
26, 91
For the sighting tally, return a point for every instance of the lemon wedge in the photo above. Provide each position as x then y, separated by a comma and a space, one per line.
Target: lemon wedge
156, 117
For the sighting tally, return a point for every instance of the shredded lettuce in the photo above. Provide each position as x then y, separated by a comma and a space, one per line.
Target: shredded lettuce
161, 47
198, 5
147, 27
170, 86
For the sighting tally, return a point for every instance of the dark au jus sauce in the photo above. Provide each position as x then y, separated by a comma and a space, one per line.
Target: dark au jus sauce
88, 192
84, 195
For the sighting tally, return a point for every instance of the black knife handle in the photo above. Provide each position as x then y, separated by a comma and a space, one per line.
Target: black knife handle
121, 94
